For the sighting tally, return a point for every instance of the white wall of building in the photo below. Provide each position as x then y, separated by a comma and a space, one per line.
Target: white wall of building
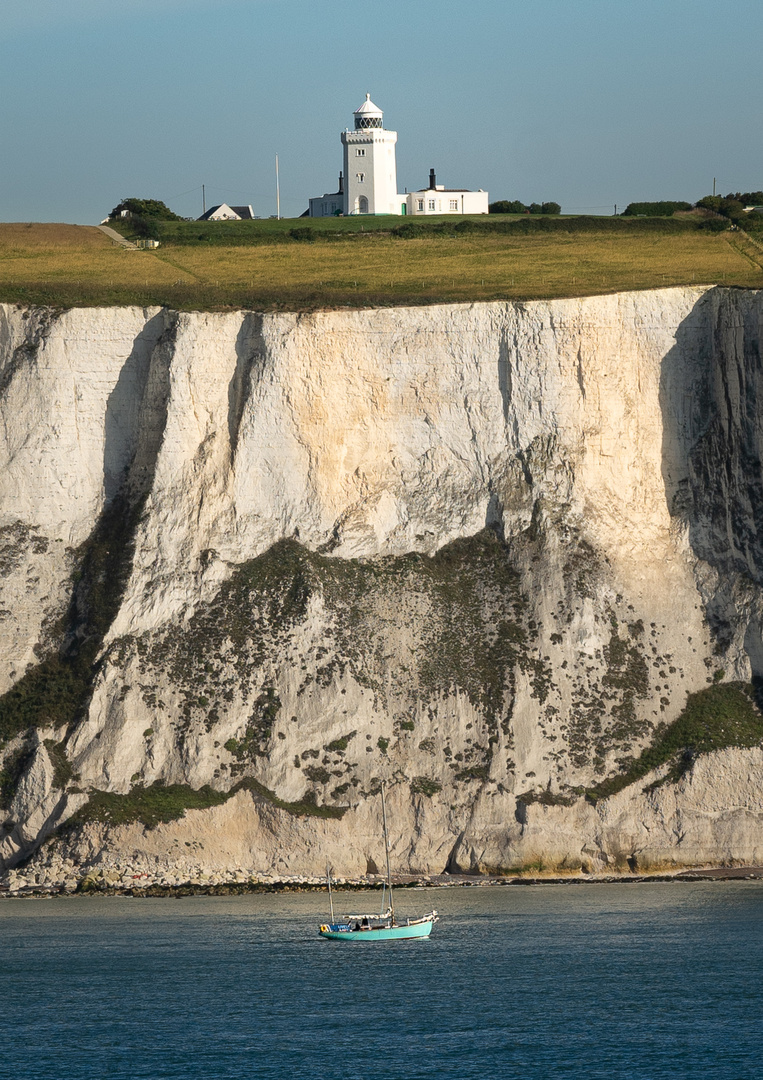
327, 205
440, 201
370, 170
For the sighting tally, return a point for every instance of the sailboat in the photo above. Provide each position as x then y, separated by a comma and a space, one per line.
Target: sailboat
381, 927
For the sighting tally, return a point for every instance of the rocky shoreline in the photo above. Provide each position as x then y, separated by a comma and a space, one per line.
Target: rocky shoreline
113, 880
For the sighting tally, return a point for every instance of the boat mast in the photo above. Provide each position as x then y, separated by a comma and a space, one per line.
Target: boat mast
386, 850
331, 898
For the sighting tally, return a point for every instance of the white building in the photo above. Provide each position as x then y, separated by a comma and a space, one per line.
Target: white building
370, 177
370, 167
329, 205
437, 199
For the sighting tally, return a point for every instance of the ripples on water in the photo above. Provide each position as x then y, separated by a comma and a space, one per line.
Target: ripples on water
589, 981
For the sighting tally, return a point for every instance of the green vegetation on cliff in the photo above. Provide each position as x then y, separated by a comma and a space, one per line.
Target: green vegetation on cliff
469, 591
151, 806
723, 715
54, 692
160, 803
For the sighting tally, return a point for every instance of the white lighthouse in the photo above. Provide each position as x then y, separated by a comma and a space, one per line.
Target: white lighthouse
370, 169
368, 183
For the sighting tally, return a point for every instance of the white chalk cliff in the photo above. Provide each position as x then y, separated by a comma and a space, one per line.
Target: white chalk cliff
481, 550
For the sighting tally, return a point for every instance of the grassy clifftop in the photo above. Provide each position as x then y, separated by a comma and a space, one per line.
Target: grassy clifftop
295, 265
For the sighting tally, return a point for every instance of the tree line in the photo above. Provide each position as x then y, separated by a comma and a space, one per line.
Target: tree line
734, 207
506, 206
655, 209
146, 214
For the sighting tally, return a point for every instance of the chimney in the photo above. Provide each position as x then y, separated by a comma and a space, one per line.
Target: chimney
432, 180
341, 185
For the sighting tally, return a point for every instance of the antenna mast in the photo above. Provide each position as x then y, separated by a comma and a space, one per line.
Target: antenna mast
386, 850
331, 898
278, 193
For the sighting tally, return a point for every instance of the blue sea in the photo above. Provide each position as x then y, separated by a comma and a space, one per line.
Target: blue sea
577, 981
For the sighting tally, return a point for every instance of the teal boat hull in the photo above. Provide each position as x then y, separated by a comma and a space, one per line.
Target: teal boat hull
382, 933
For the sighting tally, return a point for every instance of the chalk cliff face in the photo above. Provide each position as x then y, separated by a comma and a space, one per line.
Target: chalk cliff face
482, 551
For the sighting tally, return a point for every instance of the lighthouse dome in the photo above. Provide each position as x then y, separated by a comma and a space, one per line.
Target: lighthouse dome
368, 115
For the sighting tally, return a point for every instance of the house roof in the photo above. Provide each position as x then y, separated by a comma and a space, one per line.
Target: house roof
244, 212
212, 210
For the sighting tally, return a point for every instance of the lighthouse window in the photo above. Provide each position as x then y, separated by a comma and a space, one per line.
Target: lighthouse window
360, 177
360, 153
419, 204
432, 205
454, 204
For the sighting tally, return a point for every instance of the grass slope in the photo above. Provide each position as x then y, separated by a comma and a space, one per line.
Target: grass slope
715, 718
160, 803
67, 266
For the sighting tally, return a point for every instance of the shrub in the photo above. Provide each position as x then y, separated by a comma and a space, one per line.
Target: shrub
732, 207
504, 206
473, 772
145, 228
422, 785
338, 746
145, 208
317, 774
654, 209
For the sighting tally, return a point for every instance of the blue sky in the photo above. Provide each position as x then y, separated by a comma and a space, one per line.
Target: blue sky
587, 102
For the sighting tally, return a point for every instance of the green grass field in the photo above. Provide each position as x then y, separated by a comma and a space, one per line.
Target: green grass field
362, 262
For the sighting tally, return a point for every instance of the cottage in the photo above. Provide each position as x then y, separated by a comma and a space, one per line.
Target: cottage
330, 205
223, 212
437, 199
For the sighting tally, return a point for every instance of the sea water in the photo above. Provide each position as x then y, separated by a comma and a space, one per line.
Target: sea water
576, 981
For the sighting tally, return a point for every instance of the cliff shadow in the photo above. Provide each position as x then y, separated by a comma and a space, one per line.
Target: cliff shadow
504, 374
250, 357
125, 405
57, 690
711, 400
